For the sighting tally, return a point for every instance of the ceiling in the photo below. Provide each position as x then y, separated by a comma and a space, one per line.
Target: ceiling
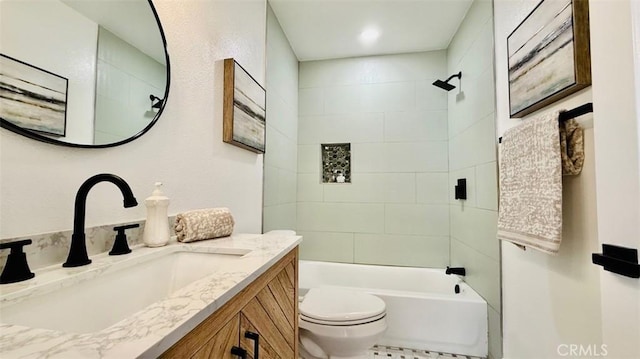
326, 29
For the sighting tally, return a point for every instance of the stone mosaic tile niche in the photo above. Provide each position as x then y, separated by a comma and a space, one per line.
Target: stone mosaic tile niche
336, 162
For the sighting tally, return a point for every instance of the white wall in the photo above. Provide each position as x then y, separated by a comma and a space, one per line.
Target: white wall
184, 149
395, 210
280, 159
126, 77
55, 31
616, 129
549, 301
472, 155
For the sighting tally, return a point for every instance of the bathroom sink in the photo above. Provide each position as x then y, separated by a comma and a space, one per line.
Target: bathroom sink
92, 301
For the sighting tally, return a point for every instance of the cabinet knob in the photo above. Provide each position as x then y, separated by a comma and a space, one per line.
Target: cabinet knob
256, 342
239, 352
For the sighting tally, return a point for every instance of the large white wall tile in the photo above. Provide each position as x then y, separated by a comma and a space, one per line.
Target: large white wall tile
477, 228
367, 157
393, 249
495, 333
399, 187
280, 151
309, 159
309, 187
341, 217
429, 97
417, 219
344, 128
432, 188
416, 157
487, 186
414, 126
364, 188
281, 115
476, 145
483, 272
326, 246
270, 185
477, 16
343, 99
393, 96
287, 184
282, 216
310, 102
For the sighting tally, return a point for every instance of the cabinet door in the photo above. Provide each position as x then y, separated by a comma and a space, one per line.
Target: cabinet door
219, 346
272, 314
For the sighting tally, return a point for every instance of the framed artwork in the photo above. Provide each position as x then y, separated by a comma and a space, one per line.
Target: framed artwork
32, 98
244, 109
549, 56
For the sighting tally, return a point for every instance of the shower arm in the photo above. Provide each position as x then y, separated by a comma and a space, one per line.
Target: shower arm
458, 75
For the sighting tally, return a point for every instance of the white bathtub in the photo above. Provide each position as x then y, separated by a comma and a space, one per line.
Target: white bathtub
423, 310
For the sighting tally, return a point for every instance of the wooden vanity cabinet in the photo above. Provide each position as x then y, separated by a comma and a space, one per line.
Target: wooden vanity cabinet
267, 307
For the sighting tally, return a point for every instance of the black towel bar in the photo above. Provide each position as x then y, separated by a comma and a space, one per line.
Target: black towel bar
567, 115
619, 260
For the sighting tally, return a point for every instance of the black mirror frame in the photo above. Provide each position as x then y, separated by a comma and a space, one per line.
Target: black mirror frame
33, 135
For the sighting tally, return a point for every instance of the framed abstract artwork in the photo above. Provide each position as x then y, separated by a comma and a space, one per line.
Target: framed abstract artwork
32, 98
549, 56
244, 109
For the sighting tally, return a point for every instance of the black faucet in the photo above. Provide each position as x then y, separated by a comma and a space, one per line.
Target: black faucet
456, 270
78, 249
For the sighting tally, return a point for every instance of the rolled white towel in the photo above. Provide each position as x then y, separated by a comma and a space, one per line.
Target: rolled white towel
204, 224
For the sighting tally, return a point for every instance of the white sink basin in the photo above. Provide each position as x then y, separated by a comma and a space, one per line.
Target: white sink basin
90, 302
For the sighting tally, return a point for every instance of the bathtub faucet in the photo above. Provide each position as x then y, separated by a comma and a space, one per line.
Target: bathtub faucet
455, 270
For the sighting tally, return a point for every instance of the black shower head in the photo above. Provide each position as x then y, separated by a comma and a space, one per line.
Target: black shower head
445, 85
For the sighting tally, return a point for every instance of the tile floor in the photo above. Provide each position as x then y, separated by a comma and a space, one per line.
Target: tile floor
381, 352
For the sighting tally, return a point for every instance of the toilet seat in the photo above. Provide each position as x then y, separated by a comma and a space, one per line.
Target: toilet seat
340, 307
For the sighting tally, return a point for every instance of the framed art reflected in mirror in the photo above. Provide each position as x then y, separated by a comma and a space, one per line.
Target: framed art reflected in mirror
32, 98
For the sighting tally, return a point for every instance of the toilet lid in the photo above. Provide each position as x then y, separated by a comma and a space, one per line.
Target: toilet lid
340, 305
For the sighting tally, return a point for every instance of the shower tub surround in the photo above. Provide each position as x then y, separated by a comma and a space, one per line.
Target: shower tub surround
423, 310
148, 332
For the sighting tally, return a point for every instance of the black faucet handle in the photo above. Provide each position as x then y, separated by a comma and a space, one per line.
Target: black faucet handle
120, 245
16, 269
127, 226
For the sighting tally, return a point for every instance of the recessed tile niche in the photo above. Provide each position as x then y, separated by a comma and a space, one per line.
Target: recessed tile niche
336, 162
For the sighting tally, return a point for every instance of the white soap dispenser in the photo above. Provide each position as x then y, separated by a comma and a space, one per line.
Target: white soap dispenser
156, 229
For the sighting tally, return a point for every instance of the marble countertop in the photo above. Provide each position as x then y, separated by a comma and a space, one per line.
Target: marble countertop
154, 329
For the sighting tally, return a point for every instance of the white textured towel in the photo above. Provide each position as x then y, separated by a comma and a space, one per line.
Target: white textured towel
204, 224
530, 211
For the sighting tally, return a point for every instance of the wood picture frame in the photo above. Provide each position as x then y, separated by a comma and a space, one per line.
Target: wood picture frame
244, 109
549, 55
33, 98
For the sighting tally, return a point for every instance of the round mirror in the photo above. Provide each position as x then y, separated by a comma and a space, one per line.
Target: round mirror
82, 73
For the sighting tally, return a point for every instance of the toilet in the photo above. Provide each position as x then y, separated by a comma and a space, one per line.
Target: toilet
337, 323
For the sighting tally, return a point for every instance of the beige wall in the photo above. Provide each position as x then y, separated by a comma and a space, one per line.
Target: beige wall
184, 149
550, 301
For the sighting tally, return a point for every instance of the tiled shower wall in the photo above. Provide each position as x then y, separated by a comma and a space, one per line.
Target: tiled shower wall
472, 155
126, 78
396, 209
280, 164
